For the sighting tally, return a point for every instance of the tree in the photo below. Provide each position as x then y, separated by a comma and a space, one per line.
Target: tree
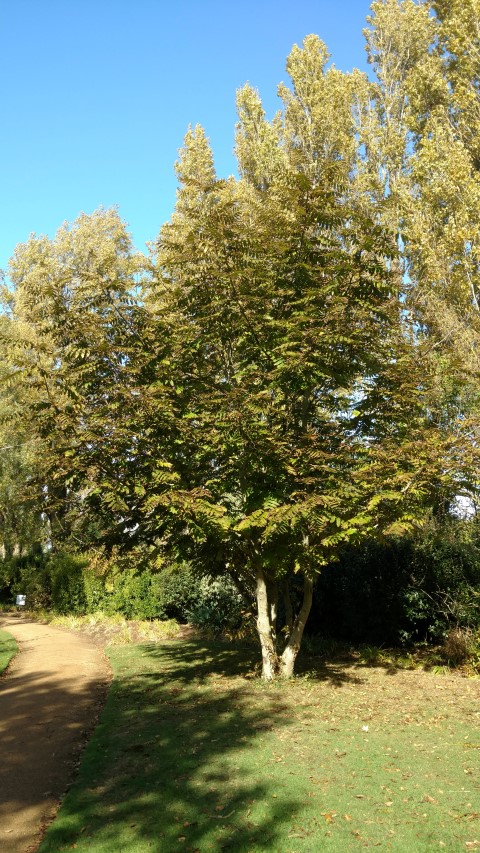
75, 320
22, 523
419, 121
281, 314
291, 371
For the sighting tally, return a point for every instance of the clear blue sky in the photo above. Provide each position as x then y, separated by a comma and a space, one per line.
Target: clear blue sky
96, 96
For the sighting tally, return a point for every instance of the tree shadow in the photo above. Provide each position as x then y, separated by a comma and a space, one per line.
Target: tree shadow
178, 760
337, 673
43, 728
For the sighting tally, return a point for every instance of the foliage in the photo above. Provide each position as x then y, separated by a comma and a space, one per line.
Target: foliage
294, 369
50, 581
167, 594
218, 606
73, 323
403, 590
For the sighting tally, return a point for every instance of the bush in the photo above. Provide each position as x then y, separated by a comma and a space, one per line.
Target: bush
457, 646
67, 583
145, 594
218, 606
124, 584
402, 590
30, 576
49, 581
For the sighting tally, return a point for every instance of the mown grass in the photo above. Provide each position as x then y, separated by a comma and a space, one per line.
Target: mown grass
193, 753
8, 648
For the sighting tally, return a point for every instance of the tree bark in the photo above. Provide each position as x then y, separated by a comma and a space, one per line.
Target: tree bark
289, 655
287, 603
272, 592
270, 663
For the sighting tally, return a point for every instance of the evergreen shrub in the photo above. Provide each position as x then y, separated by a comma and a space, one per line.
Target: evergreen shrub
402, 590
218, 606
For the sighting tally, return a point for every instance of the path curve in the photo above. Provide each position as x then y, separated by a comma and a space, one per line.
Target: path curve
50, 698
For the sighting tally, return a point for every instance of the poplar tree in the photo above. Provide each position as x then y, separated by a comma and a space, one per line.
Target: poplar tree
418, 157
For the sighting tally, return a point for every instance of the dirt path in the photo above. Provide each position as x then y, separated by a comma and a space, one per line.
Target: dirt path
50, 698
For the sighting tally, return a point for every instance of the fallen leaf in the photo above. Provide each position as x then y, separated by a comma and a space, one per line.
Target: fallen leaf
328, 816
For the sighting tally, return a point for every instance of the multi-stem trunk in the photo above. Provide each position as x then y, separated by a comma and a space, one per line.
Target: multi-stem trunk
273, 663
292, 648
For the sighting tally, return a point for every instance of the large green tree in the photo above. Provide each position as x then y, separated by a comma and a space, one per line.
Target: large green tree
74, 327
284, 318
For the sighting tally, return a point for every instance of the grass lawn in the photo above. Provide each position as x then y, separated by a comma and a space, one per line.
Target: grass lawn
194, 754
8, 648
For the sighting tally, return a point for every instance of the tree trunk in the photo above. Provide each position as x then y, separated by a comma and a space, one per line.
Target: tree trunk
272, 592
270, 662
289, 655
287, 604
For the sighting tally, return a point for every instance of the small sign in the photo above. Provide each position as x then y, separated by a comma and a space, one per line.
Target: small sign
21, 600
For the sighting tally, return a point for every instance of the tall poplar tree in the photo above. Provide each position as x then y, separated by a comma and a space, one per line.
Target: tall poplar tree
417, 125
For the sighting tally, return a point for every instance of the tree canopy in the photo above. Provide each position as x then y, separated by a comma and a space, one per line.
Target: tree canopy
295, 366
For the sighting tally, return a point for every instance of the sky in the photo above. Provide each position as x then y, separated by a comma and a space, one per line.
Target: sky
96, 96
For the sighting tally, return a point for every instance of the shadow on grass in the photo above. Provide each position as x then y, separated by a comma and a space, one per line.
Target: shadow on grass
181, 758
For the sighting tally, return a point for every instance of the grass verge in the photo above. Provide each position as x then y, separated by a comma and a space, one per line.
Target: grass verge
8, 648
193, 753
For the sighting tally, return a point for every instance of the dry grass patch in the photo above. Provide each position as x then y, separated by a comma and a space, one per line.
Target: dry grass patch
115, 630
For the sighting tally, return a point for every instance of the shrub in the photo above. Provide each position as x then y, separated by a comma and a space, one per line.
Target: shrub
402, 590
218, 606
67, 584
457, 646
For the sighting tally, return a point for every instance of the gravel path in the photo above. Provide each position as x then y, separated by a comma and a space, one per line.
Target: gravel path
50, 698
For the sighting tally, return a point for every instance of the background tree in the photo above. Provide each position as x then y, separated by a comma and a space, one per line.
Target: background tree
75, 321
418, 155
22, 523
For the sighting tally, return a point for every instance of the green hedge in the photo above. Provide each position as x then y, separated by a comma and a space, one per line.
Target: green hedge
124, 584
396, 591
402, 590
